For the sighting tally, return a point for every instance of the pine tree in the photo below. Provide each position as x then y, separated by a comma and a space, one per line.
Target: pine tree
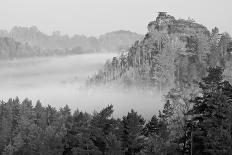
40, 115
154, 142
132, 138
101, 127
152, 127
113, 145
211, 116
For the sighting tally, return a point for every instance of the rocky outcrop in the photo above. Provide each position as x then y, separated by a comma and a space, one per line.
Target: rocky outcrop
173, 52
168, 24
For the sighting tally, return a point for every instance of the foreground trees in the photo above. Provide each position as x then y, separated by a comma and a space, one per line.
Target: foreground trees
211, 116
196, 123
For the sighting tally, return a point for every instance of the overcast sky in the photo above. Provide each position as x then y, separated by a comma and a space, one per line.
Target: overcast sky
95, 17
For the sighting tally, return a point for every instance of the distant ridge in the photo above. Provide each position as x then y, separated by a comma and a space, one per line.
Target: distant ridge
109, 42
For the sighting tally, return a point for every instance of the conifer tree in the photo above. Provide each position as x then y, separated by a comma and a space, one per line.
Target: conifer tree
211, 116
132, 139
101, 126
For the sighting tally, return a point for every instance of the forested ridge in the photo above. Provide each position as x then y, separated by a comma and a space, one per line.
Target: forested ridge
29, 42
174, 52
11, 49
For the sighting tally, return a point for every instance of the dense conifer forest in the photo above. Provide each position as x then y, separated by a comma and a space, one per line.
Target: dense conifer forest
197, 124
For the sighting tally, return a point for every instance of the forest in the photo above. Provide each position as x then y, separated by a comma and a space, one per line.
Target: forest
177, 56
198, 124
191, 64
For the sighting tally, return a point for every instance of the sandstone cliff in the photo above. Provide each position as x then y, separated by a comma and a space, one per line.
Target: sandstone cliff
173, 52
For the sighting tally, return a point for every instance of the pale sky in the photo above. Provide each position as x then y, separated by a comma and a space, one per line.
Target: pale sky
95, 17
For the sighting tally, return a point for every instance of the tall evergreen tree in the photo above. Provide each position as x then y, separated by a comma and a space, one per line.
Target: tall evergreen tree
101, 126
211, 116
132, 137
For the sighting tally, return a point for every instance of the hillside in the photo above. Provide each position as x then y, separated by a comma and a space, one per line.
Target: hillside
118, 40
174, 52
10, 49
110, 42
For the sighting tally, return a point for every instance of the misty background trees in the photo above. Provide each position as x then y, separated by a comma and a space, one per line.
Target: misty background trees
21, 42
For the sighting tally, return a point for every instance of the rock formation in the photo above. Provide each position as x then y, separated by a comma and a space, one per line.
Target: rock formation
173, 52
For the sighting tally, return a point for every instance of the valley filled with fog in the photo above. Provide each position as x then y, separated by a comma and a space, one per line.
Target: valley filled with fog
84, 77
57, 81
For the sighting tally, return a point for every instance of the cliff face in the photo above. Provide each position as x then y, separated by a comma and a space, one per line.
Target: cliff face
173, 52
165, 23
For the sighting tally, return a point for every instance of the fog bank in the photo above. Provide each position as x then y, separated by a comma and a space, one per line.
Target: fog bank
57, 81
